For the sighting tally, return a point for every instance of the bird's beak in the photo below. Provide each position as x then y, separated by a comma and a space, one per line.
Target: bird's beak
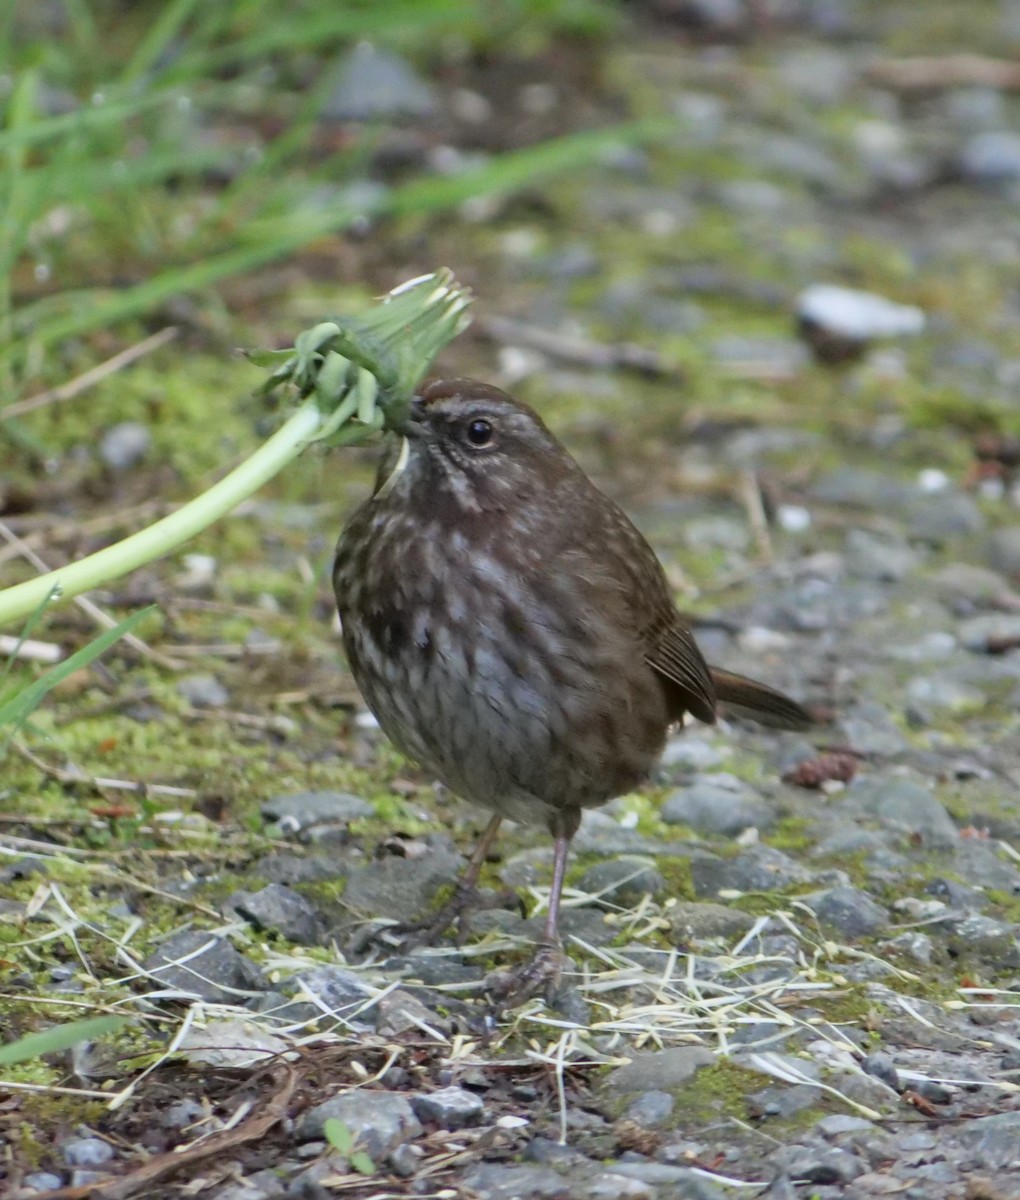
414, 424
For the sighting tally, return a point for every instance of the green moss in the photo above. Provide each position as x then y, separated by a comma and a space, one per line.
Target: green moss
676, 872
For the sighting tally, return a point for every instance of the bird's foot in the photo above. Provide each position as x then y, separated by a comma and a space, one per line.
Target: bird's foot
540, 975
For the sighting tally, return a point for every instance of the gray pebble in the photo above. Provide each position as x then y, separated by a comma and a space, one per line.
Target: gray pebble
401, 888
848, 910
86, 1152
838, 1124
711, 808
623, 880
336, 989
883, 557
1004, 550
868, 727
660, 1070
203, 691
379, 1121
217, 973
693, 921
312, 808
903, 806
406, 1159
498, 1181
41, 1181
994, 1141
882, 1067
124, 446
985, 632
991, 157
282, 910
651, 1108
822, 1166
757, 869
449, 1107
373, 83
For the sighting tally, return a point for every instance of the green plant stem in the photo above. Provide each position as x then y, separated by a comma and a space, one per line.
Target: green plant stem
18, 602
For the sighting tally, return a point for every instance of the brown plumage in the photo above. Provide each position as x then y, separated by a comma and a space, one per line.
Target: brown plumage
511, 628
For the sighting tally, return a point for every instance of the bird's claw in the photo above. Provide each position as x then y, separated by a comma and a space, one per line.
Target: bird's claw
540, 975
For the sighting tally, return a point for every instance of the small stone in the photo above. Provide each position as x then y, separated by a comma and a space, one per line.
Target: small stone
203, 691
232, 1044
991, 157
838, 1124
1004, 550
947, 515
401, 1012
124, 446
882, 1067
41, 1181
692, 921
943, 693
913, 945
379, 1121
282, 910
622, 880
610, 1186
692, 752
994, 1141
661, 1070
182, 1114
903, 806
449, 1107
848, 910
821, 1166
985, 938
316, 808
759, 868
496, 1181
406, 1159
854, 487
989, 632
877, 556
205, 966
651, 1108
86, 1152
374, 84
868, 727
782, 1100
712, 808
336, 991
401, 888
854, 317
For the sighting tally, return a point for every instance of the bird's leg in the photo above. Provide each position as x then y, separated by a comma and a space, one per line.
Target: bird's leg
464, 895
542, 973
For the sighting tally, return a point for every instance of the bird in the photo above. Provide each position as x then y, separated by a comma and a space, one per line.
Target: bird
513, 631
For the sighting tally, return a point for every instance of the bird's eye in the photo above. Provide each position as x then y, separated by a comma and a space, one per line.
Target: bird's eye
479, 433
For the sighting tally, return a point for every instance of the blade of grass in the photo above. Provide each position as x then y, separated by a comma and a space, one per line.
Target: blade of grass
338, 24
160, 34
274, 238
60, 1037
16, 711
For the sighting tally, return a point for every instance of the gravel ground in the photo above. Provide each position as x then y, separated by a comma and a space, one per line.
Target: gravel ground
795, 961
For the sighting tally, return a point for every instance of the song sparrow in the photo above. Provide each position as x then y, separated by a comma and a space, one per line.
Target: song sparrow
512, 630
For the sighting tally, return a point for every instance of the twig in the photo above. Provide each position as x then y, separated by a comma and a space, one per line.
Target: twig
145, 1177
750, 495
101, 618
31, 651
74, 387
623, 355
937, 73
76, 775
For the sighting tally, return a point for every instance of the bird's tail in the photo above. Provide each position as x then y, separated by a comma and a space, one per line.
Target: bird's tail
758, 702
